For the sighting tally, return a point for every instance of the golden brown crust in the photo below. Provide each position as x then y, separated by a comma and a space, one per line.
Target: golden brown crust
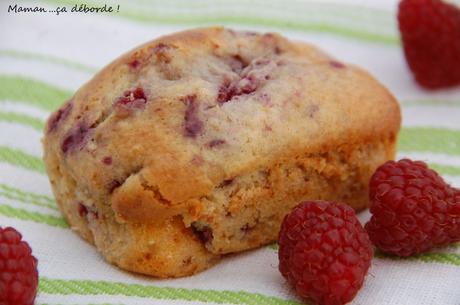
217, 109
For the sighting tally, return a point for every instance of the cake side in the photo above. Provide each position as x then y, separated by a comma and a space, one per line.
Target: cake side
240, 214
246, 211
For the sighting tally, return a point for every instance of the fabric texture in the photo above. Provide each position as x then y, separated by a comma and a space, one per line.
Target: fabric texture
45, 57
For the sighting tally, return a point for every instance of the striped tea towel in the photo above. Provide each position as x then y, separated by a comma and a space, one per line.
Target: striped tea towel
46, 56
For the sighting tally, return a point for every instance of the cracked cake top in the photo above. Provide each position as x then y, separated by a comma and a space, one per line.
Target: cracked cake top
178, 116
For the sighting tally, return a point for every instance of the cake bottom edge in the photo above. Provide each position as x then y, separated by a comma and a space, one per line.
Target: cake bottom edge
243, 214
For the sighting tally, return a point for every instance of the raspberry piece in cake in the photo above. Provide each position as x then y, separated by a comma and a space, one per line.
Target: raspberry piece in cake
252, 78
216, 143
193, 125
130, 101
76, 139
59, 116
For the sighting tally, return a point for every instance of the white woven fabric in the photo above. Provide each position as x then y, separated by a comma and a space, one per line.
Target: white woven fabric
65, 51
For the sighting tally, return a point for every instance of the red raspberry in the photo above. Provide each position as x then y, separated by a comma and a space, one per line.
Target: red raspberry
60, 115
430, 33
130, 101
18, 269
324, 252
130, 96
413, 209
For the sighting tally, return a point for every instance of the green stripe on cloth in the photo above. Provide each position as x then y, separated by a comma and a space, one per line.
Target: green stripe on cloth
22, 214
429, 102
302, 26
22, 159
22, 119
88, 287
427, 139
412, 139
432, 257
446, 169
26, 197
262, 18
28, 201
47, 58
37, 93
27, 161
81, 304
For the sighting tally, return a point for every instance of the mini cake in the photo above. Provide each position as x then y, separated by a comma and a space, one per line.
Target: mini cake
197, 144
